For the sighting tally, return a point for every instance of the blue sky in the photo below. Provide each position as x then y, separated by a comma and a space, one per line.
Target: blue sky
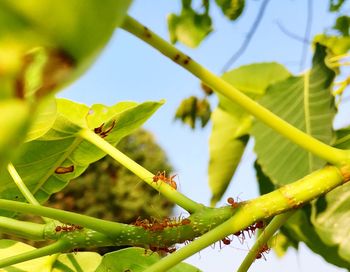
128, 69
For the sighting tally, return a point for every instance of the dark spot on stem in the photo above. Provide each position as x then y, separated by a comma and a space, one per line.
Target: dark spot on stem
64, 169
187, 60
177, 57
147, 32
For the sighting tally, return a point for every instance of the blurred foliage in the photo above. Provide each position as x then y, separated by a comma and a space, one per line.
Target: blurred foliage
232, 9
336, 5
342, 24
192, 109
189, 27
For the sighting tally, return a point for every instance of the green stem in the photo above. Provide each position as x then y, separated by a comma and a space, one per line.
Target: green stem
28, 230
23, 188
102, 226
20, 184
263, 239
332, 155
59, 246
286, 198
173, 195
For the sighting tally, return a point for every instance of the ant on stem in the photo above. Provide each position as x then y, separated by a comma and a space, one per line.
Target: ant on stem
68, 228
162, 176
264, 249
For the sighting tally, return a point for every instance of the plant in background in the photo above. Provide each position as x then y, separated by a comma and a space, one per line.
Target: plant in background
46, 142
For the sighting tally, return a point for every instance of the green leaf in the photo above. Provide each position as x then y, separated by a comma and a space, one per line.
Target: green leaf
193, 108
342, 138
330, 214
10, 248
265, 184
44, 120
231, 8
77, 262
306, 103
337, 45
280, 244
231, 124
335, 5
190, 28
342, 24
331, 218
136, 260
300, 228
48, 163
226, 145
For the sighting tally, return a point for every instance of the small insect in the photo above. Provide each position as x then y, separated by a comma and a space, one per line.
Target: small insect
162, 176
185, 221
263, 249
68, 228
104, 133
240, 235
232, 202
64, 170
226, 241
162, 249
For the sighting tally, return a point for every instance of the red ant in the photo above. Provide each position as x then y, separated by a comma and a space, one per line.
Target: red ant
68, 228
162, 176
164, 249
262, 250
185, 221
103, 134
232, 202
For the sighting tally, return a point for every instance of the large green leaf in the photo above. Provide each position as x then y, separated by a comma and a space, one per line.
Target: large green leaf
331, 213
331, 218
306, 103
69, 262
10, 248
231, 124
300, 228
136, 260
343, 138
227, 143
46, 114
77, 262
48, 163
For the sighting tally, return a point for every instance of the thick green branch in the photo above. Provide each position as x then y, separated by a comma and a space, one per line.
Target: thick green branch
279, 201
169, 192
307, 142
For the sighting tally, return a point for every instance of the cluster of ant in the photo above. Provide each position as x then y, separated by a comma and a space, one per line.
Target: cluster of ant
159, 225
103, 133
250, 230
68, 228
162, 177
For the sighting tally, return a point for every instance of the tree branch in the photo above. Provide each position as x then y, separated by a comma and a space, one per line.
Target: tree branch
248, 38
